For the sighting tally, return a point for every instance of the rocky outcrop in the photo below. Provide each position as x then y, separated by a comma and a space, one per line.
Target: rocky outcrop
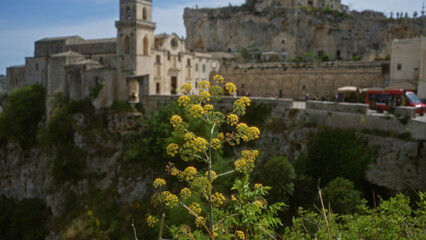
296, 31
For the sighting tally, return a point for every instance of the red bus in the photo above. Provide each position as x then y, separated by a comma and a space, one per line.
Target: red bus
388, 100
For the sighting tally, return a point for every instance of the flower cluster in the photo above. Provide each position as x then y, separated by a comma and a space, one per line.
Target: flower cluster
185, 193
186, 88
172, 149
258, 186
169, 199
246, 163
232, 119
230, 87
218, 79
218, 199
205, 96
247, 133
159, 182
183, 100
176, 121
197, 111
208, 108
258, 204
215, 143
199, 144
240, 105
195, 207
189, 173
200, 221
213, 174
204, 85
240, 235
152, 221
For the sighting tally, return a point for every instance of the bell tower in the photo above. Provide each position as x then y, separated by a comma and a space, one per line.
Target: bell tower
135, 36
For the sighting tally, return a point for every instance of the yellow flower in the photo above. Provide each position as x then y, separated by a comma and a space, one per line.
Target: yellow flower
172, 149
189, 173
258, 186
176, 121
205, 96
221, 136
196, 111
218, 199
208, 108
204, 84
152, 221
253, 133
169, 199
218, 79
232, 119
231, 88
240, 163
186, 88
200, 221
258, 204
233, 198
183, 100
215, 143
213, 174
159, 182
199, 144
195, 207
185, 193
240, 235
188, 136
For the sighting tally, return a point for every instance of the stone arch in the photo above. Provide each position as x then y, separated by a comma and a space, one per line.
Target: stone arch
145, 46
126, 45
133, 91
144, 14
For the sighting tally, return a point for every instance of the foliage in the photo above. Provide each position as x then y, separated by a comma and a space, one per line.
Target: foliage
393, 219
246, 54
94, 92
197, 140
22, 115
279, 173
25, 219
341, 195
335, 153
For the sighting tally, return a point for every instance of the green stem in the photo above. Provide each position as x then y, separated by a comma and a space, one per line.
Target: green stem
210, 180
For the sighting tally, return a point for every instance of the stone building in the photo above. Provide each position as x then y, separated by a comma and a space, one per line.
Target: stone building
408, 65
134, 63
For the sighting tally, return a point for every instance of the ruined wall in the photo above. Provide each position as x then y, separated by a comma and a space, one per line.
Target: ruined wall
294, 80
338, 35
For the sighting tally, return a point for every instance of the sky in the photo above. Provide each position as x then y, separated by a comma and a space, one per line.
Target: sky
22, 22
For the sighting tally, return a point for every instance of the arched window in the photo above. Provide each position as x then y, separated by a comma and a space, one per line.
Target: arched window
144, 13
145, 46
126, 45
129, 13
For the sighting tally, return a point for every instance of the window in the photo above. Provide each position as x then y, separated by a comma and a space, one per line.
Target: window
145, 46
399, 67
304, 88
144, 14
204, 67
129, 13
283, 41
174, 43
36, 66
126, 45
196, 67
168, 56
158, 59
101, 60
188, 62
338, 53
311, 3
157, 88
179, 57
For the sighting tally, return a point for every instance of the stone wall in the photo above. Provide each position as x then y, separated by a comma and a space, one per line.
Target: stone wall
295, 80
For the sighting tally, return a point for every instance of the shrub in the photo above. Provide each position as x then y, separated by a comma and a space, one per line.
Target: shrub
341, 196
22, 115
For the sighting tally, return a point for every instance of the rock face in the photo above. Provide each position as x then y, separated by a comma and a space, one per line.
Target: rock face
295, 31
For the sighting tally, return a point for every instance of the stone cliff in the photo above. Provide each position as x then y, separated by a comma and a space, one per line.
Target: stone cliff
293, 32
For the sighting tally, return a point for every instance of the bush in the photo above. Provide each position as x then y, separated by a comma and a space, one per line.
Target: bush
341, 196
25, 109
28, 220
279, 173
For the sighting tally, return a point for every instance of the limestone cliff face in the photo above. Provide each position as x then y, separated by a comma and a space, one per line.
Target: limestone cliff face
296, 31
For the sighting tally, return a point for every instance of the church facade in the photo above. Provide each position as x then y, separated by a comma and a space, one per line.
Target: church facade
137, 62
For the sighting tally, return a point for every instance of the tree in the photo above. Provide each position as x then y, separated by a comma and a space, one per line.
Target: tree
247, 53
342, 196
